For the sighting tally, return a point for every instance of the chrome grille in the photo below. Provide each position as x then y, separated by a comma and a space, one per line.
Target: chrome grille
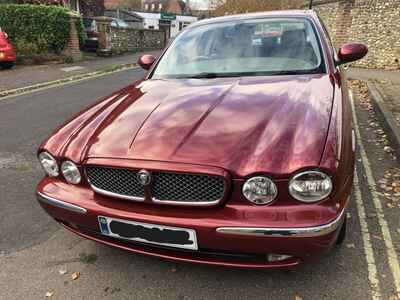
187, 187
117, 181
165, 187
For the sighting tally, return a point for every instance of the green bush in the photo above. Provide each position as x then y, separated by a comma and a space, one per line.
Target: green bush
37, 28
81, 32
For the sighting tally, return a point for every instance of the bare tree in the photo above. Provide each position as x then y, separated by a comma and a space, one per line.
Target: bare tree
227, 7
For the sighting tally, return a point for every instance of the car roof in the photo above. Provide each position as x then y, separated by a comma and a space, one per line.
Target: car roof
257, 15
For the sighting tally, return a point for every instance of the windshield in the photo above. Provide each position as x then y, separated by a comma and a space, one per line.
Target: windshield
269, 46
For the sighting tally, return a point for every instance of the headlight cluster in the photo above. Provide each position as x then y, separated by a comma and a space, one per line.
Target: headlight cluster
49, 164
260, 190
69, 170
308, 187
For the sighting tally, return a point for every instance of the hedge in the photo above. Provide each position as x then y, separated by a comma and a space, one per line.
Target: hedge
38, 25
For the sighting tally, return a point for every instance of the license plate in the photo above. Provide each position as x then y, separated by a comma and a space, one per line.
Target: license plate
148, 233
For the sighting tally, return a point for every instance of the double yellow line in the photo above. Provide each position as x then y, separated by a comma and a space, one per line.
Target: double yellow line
61, 82
393, 259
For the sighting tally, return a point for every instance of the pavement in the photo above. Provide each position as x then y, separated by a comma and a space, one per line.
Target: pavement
22, 76
38, 257
384, 89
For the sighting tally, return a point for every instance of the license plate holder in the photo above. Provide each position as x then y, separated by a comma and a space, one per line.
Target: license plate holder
168, 236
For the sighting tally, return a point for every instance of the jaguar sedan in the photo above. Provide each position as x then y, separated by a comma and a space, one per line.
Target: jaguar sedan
235, 149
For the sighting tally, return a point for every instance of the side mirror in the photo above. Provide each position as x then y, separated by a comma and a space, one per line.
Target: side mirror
351, 52
146, 61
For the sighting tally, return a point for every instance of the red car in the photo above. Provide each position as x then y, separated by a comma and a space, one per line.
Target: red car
228, 152
7, 53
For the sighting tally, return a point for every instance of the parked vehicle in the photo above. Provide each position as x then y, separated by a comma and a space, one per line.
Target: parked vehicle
92, 41
118, 23
228, 152
7, 53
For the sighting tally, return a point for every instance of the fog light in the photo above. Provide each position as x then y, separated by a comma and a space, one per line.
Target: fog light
278, 257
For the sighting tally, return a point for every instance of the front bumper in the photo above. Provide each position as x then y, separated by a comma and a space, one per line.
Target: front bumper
233, 235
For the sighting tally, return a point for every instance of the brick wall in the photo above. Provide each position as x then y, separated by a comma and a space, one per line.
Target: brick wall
373, 22
123, 40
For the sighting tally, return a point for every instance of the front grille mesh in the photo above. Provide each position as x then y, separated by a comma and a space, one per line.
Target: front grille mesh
165, 186
118, 181
187, 187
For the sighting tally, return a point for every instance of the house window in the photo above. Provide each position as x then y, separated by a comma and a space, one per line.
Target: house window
160, 6
153, 6
146, 6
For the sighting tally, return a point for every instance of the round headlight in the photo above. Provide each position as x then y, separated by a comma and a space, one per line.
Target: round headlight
310, 186
49, 164
71, 172
260, 190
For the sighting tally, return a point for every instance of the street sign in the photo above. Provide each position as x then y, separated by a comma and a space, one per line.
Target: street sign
168, 16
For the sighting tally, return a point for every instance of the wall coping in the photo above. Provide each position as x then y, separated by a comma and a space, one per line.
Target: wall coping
138, 29
322, 2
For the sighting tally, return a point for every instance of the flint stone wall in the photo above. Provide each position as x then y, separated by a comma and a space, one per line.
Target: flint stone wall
373, 22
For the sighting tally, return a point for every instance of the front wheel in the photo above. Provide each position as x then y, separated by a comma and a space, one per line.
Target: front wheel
342, 233
7, 64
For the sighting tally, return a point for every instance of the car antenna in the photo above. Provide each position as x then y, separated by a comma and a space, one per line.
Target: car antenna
310, 5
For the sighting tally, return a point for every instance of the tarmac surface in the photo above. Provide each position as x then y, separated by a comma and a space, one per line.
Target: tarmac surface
39, 257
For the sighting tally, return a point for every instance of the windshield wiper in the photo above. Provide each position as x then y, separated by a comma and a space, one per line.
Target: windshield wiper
204, 75
293, 72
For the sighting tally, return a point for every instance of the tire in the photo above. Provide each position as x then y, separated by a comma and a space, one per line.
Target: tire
342, 233
7, 64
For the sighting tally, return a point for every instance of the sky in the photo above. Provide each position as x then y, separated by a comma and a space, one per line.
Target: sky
199, 4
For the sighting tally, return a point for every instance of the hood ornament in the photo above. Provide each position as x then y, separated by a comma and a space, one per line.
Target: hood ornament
144, 177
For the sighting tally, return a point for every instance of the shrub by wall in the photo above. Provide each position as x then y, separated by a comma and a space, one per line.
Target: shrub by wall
37, 28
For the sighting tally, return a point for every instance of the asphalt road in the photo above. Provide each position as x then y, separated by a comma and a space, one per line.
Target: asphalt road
33, 248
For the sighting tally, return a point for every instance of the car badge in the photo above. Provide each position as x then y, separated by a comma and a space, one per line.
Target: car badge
144, 177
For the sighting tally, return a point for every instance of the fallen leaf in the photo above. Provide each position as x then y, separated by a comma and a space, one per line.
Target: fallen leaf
390, 205
398, 230
387, 149
49, 294
396, 189
75, 275
62, 271
348, 215
173, 270
350, 246
297, 297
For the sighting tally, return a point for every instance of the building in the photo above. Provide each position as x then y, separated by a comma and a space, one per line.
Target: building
178, 7
170, 23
